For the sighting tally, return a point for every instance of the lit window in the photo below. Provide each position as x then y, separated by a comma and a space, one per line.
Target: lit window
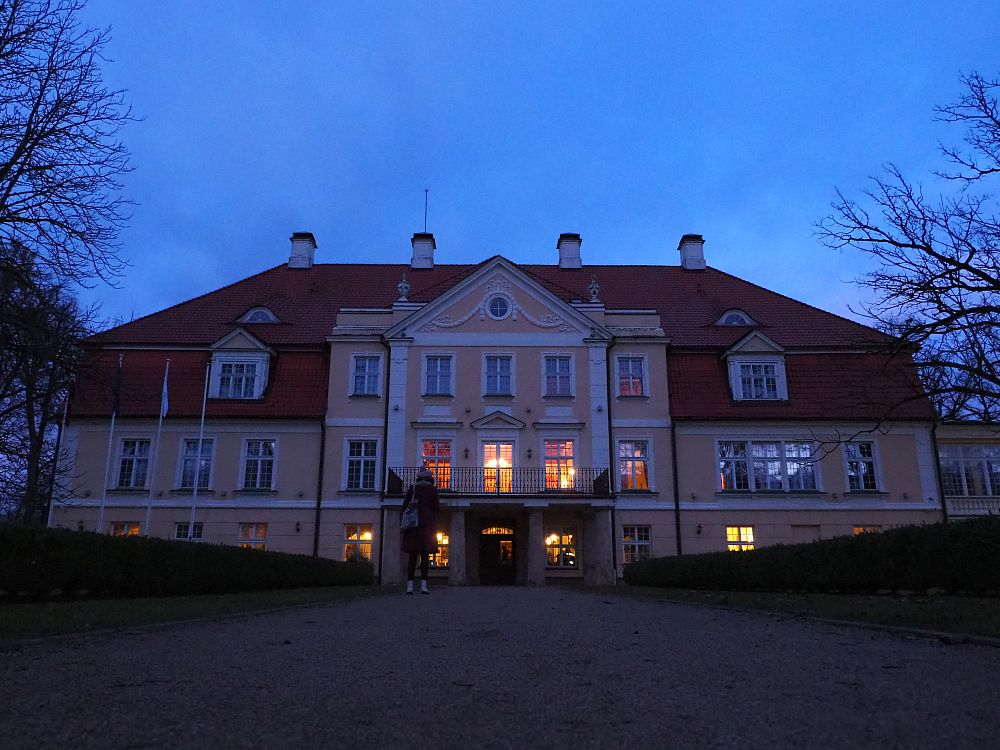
357, 541
253, 535
498, 375
237, 379
859, 530
366, 375
560, 548
861, 475
181, 531
440, 558
438, 376
134, 463
630, 377
633, 465
498, 461
437, 457
560, 471
258, 464
558, 376
361, 456
766, 466
739, 538
189, 460
970, 470
499, 308
635, 543
125, 528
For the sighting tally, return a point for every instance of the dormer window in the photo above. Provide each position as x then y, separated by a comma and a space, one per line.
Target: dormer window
758, 378
259, 315
735, 318
238, 375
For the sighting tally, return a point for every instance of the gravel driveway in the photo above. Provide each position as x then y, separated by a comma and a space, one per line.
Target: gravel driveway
500, 668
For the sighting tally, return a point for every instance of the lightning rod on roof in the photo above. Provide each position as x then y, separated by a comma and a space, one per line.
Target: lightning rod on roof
426, 191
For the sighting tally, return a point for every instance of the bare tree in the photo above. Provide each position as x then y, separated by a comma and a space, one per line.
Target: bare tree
60, 156
937, 285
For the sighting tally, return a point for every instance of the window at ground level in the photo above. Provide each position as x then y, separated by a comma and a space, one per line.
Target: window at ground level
766, 465
635, 543
739, 538
970, 470
440, 558
253, 535
633, 464
858, 530
560, 548
181, 531
861, 475
125, 528
358, 541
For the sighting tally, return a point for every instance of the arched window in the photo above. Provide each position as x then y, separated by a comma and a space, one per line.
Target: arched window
735, 318
259, 315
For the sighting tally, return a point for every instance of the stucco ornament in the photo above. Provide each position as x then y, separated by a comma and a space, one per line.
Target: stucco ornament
404, 288
498, 286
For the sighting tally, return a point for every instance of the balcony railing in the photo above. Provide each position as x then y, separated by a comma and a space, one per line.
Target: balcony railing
972, 506
484, 480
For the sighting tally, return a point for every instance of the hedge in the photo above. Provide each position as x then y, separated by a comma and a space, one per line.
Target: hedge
957, 556
37, 562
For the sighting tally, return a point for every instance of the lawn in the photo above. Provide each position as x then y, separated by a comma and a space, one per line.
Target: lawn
38, 619
965, 615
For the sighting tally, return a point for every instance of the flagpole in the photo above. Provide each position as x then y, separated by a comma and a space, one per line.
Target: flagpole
197, 464
156, 451
111, 439
55, 459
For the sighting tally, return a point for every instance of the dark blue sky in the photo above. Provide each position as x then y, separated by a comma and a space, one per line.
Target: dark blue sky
630, 123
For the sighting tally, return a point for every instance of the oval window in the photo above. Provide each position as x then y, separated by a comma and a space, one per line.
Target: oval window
499, 308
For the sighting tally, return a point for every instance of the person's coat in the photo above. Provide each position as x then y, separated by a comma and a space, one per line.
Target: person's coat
424, 537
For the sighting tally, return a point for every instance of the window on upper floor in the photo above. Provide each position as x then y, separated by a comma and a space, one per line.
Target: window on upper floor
438, 370
633, 465
735, 317
632, 376
190, 463
133, 462
436, 456
757, 378
238, 375
366, 373
259, 315
258, 464
560, 465
498, 375
767, 466
558, 374
862, 469
970, 470
361, 460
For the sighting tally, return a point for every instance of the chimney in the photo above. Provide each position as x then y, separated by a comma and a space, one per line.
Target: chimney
692, 250
423, 250
569, 250
303, 250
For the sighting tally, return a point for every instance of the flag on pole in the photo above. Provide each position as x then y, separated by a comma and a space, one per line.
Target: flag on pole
164, 399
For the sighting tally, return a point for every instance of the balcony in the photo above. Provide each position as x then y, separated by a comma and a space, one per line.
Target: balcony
487, 481
972, 506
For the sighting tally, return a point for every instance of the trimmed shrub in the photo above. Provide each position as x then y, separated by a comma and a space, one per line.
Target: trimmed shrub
957, 556
37, 561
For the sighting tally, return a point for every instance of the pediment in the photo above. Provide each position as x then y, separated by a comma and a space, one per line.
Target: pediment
240, 339
755, 342
501, 299
498, 420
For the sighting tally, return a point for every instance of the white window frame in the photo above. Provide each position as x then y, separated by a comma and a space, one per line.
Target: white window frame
556, 438
747, 320
182, 526
749, 459
260, 360
254, 541
181, 458
513, 374
637, 544
744, 544
355, 356
572, 374
271, 317
966, 464
559, 530
421, 439
876, 460
648, 440
243, 464
129, 528
347, 462
357, 540
736, 380
481, 459
617, 374
116, 479
423, 375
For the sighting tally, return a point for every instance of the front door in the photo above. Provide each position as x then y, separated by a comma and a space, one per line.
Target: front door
496, 553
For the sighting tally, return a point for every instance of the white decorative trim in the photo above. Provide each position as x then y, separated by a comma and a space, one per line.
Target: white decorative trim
498, 286
597, 359
736, 382
648, 423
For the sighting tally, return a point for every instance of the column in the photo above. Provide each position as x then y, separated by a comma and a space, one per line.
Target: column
598, 567
399, 354
536, 548
392, 562
456, 548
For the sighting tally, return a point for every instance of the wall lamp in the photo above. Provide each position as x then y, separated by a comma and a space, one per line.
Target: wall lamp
529, 452
298, 527
466, 452
698, 530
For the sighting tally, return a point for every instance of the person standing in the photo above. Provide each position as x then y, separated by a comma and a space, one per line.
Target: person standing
422, 539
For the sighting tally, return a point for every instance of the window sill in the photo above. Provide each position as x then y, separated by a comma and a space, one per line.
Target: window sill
437, 395
559, 396
632, 398
498, 395
126, 490
360, 491
190, 491
772, 493
866, 493
638, 493
252, 491
366, 395
235, 400
758, 401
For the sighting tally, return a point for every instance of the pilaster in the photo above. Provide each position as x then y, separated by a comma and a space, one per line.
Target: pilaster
536, 548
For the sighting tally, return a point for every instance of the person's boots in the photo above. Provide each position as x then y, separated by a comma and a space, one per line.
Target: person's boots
409, 587
423, 587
